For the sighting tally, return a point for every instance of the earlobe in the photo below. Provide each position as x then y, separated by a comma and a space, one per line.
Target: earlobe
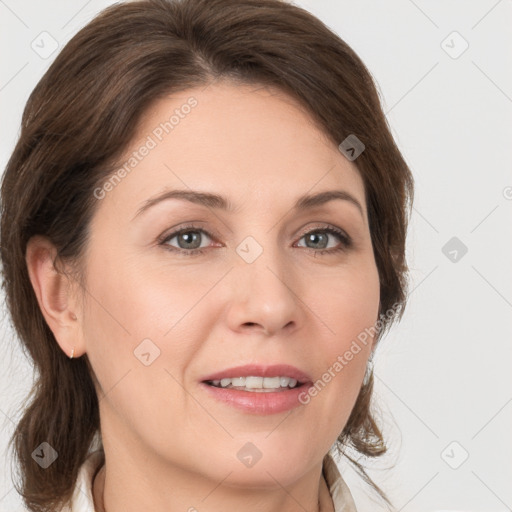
52, 289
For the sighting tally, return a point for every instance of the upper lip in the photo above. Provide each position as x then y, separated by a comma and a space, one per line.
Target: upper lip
275, 370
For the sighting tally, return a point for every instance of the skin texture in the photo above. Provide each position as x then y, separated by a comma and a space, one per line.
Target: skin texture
169, 445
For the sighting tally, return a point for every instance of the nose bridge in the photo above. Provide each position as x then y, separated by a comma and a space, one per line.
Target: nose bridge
263, 287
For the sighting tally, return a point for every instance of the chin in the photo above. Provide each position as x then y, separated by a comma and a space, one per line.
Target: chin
261, 463
263, 476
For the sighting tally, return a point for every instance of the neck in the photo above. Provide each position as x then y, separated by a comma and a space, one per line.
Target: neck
136, 477
108, 499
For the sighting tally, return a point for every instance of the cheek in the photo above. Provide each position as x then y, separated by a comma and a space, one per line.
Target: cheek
134, 319
135, 300
347, 303
348, 306
129, 304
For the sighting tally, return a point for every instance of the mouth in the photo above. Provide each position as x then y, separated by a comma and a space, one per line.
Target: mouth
257, 389
256, 384
259, 377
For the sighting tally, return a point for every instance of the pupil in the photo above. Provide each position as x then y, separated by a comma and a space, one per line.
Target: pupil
190, 239
314, 238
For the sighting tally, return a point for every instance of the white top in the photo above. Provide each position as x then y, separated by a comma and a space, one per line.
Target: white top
82, 500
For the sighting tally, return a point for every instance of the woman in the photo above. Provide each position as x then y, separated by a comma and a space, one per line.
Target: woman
203, 240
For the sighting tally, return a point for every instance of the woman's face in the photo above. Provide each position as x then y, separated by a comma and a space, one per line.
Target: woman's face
242, 285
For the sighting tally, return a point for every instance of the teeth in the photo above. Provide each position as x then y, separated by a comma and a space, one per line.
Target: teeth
256, 383
225, 382
269, 383
253, 382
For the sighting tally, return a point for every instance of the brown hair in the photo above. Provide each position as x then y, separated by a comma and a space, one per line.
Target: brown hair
82, 115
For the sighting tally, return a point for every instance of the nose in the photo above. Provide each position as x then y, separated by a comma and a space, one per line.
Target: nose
264, 296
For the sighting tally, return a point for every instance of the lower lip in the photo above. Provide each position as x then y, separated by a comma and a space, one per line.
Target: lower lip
266, 402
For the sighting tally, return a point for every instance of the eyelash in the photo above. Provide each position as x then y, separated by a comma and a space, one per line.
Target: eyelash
346, 241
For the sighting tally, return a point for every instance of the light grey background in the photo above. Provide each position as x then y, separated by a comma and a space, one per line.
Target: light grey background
443, 374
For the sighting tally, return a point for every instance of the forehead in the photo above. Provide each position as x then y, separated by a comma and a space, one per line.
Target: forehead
249, 143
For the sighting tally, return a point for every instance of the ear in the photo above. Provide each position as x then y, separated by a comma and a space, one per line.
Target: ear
54, 292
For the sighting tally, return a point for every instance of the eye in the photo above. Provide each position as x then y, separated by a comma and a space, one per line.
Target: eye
318, 240
190, 240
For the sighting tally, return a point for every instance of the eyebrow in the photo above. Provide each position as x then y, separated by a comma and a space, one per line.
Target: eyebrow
216, 201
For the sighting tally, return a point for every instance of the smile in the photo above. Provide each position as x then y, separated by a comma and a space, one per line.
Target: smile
255, 384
